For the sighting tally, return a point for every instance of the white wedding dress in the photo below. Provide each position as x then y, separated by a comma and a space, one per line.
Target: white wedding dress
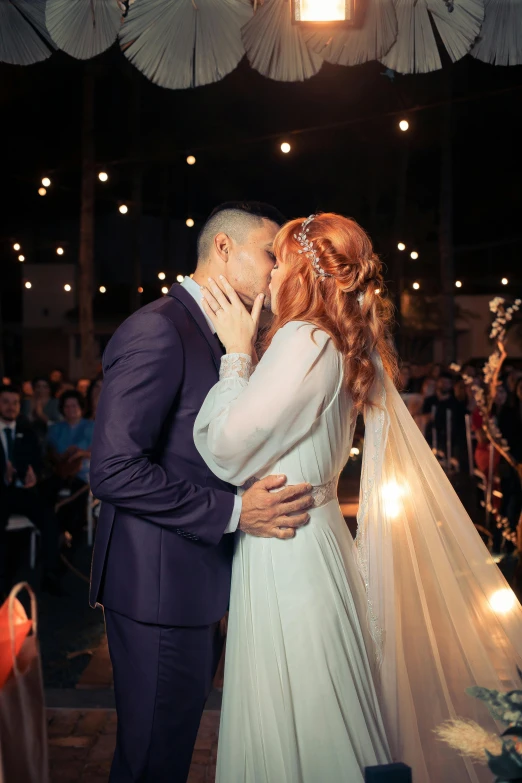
300, 702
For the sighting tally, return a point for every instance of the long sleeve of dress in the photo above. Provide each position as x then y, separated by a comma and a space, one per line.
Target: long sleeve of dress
248, 421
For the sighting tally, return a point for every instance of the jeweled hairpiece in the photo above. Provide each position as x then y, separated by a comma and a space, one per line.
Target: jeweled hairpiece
307, 245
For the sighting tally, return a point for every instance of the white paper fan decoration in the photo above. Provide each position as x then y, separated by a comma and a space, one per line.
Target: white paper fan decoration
500, 40
24, 39
415, 50
354, 45
185, 43
276, 48
83, 28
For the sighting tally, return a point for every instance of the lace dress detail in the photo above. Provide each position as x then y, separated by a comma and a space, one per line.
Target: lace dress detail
236, 365
322, 493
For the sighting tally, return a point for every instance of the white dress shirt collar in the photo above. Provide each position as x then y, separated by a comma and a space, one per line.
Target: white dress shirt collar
194, 290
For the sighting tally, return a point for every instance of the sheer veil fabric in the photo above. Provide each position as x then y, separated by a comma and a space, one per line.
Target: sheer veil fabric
441, 615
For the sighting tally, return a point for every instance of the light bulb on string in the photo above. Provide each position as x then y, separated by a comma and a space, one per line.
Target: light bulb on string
161, 275
189, 222
285, 147
164, 290
67, 287
102, 289
103, 176
401, 246
60, 251
123, 208
180, 278
16, 247
140, 290
416, 286
404, 125
191, 160
458, 283
377, 290
42, 191
414, 255
502, 601
46, 182
504, 281
28, 284
21, 258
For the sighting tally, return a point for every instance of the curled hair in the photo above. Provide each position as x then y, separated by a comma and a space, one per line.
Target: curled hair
332, 304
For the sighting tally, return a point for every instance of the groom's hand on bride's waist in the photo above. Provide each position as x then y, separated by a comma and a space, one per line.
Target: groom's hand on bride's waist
269, 514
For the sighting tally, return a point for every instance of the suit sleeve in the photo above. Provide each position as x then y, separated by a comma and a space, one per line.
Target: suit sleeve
143, 369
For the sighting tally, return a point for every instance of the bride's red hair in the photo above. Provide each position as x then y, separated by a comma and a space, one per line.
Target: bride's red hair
345, 252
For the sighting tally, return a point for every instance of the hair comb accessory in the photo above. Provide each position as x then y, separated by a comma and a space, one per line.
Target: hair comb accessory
360, 298
307, 246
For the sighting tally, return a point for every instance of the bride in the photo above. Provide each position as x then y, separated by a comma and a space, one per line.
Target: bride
343, 654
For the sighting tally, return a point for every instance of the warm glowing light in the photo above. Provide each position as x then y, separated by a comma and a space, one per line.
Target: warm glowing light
28, 284
401, 246
140, 290
416, 286
67, 287
377, 290
16, 247
46, 182
60, 251
458, 283
180, 278
21, 258
503, 600
504, 281
189, 222
323, 10
285, 147
42, 191
191, 160
161, 275
103, 176
404, 125
164, 290
414, 255
391, 496
103, 290
354, 451
123, 209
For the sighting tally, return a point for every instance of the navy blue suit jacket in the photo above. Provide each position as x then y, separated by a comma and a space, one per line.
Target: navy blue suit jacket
160, 553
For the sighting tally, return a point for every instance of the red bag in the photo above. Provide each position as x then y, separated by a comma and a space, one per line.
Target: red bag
10, 648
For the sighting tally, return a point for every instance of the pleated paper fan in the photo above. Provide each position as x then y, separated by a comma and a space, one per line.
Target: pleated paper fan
185, 43
83, 28
416, 50
24, 39
351, 46
500, 41
277, 48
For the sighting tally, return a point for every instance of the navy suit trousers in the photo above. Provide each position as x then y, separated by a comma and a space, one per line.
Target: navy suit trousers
162, 679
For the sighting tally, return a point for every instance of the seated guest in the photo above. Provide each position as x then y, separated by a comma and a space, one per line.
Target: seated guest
82, 386
41, 409
20, 466
69, 449
435, 408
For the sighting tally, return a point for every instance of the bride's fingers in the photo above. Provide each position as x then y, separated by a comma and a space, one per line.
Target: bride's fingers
210, 305
230, 292
218, 294
256, 310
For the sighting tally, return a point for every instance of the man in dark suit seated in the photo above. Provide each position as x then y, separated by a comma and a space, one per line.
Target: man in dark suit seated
20, 467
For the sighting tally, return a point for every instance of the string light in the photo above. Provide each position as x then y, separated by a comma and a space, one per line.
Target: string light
458, 283
404, 125
414, 255
103, 290
401, 246
67, 287
103, 176
21, 258
123, 209
416, 286
503, 601
28, 284
164, 290
189, 222
42, 191
504, 281
16, 247
161, 275
191, 160
285, 147
140, 290
377, 290
180, 278
354, 451
60, 251
46, 182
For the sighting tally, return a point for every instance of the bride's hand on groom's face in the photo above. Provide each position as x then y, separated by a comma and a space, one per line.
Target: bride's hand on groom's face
268, 514
235, 326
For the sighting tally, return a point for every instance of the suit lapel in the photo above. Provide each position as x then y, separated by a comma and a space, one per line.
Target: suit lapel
190, 304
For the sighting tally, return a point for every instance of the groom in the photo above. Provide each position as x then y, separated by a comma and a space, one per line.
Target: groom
164, 544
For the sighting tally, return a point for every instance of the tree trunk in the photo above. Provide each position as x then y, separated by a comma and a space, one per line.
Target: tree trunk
446, 251
86, 254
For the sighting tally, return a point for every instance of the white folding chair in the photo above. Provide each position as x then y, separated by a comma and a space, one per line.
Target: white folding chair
18, 522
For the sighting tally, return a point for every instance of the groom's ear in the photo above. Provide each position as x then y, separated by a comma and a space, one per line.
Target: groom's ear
222, 245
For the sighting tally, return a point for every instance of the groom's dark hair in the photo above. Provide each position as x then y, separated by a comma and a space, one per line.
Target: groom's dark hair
235, 218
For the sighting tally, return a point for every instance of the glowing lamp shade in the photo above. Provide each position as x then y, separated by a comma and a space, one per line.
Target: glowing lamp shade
180, 278
340, 12
503, 601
